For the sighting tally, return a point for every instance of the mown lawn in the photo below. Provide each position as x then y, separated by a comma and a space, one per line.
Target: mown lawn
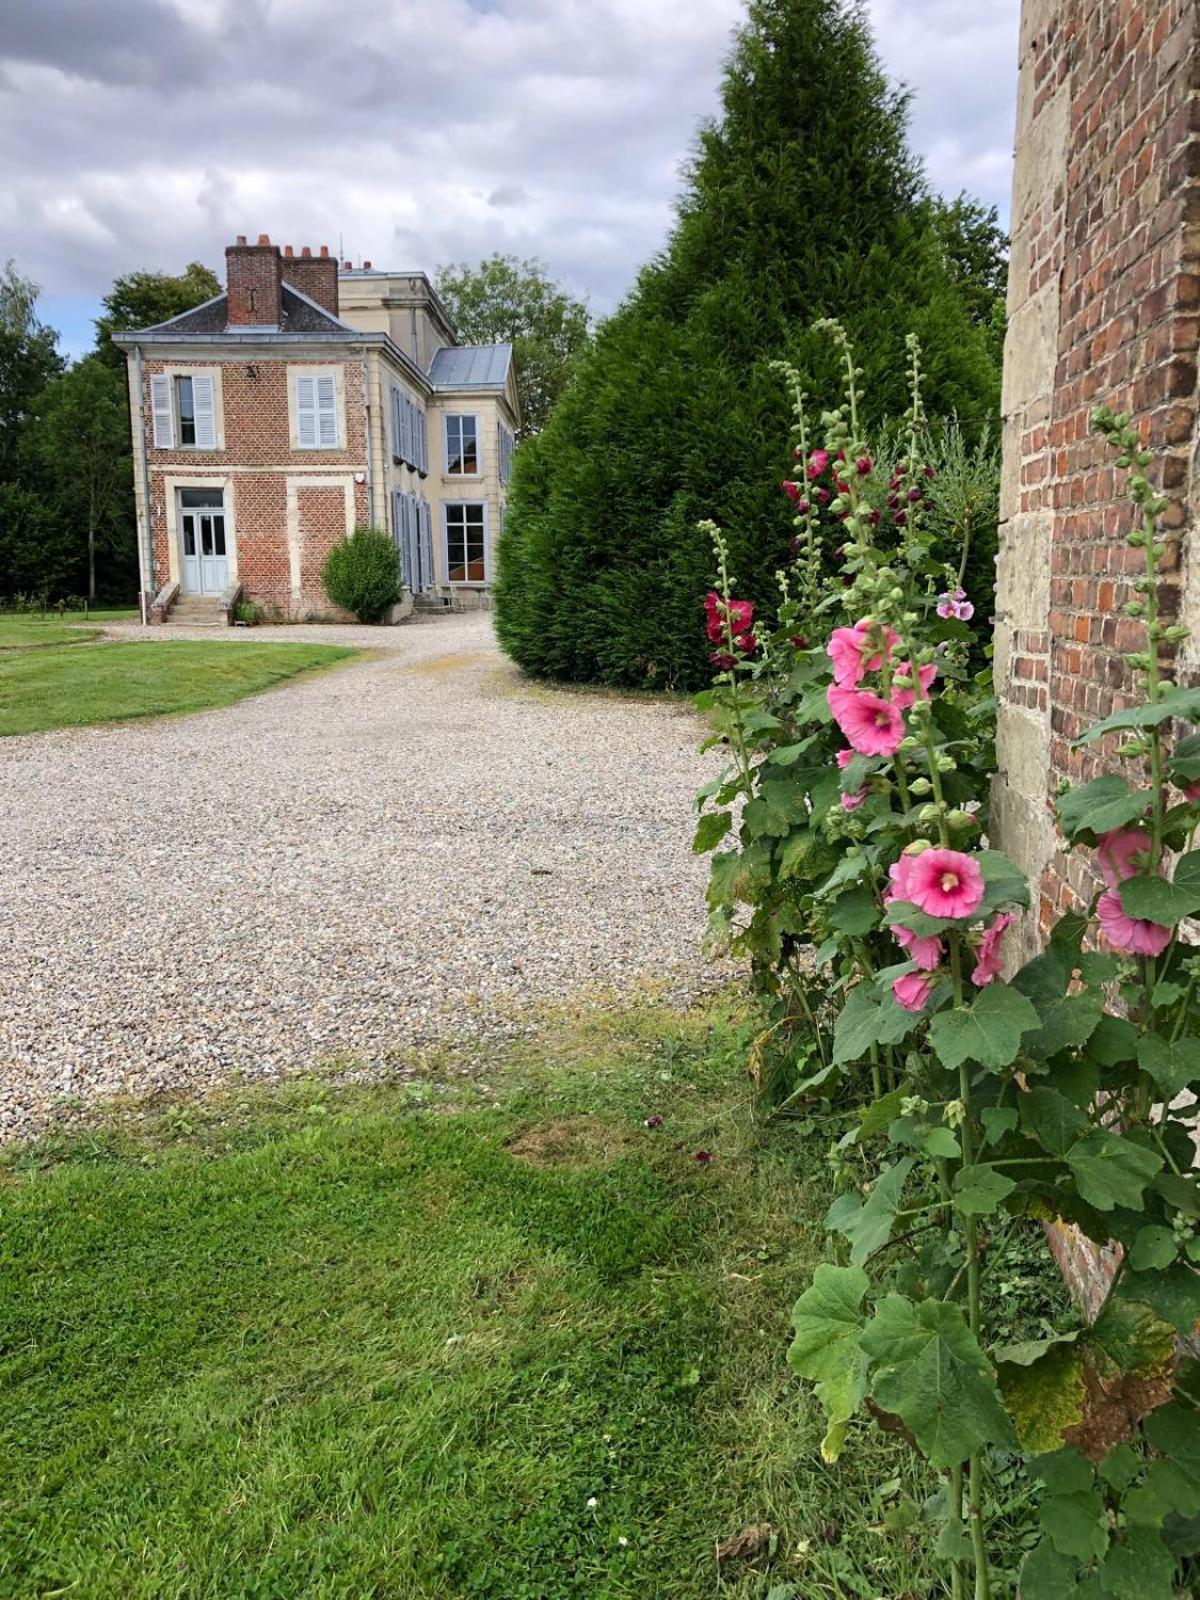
77, 684
500, 1341
29, 630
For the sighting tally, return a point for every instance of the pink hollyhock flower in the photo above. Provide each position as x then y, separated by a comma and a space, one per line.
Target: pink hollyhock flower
817, 462
852, 653
904, 698
1132, 934
844, 758
988, 963
851, 802
1191, 791
746, 642
792, 490
824, 496
945, 883
899, 872
912, 990
873, 726
925, 949
954, 603
1122, 853
741, 615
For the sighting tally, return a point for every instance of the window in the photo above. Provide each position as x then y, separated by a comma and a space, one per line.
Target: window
316, 412
466, 541
505, 447
408, 432
184, 410
462, 447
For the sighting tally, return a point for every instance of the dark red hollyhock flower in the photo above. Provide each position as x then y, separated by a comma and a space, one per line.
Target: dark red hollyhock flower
792, 490
900, 468
893, 502
747, 642
914, 495
930, 472
802, 506
863, 466
895, 483
875, 519
794, 544
840, 553
841, 456
703, 1157
824, 496
798, 639
797, 454
843, 516
653, 1122
901, 518
741, 615
721, 660
843, 488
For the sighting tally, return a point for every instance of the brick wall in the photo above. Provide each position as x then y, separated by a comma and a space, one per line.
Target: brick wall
1104, 305
256, 469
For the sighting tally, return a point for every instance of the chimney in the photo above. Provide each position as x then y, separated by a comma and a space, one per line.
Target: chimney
252, 279
316, 276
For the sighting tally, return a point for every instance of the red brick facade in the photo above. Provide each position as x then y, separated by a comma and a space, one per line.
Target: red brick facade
1104, 305
257, 469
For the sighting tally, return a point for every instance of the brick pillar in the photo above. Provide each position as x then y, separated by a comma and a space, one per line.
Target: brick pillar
1104, 305
252, 279
314, 275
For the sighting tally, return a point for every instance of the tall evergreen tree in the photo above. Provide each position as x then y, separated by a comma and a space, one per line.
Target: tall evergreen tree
802, 201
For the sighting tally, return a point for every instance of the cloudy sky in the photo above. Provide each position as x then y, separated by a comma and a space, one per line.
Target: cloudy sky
147, 133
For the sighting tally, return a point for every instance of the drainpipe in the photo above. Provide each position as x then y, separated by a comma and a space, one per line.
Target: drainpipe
145, 536
368, 419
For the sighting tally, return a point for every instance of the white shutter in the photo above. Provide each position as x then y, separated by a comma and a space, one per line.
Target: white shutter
427, 548
327, 422
410, 432
423, 444
205, 411
164, 418
306, 413
393, 409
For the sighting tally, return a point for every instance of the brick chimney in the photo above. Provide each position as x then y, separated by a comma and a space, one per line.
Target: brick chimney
253, 275
316, 276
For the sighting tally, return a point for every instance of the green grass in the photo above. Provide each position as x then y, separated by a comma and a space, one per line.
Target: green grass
85, 683
389, 1342
29, 630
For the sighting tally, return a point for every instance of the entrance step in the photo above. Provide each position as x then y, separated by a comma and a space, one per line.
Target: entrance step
197, 611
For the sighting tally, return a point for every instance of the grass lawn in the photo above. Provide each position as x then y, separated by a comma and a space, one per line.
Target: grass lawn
86, 683
499, 1341
28, 630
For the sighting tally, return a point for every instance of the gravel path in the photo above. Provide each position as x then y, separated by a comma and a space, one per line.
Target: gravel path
407, 850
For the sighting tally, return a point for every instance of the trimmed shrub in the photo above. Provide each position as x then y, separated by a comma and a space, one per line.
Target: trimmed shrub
802, 199
362, 574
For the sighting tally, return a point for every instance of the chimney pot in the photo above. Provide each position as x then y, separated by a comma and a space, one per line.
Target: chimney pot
287, 249
264, 238
305, 253
241, 238
324, 249
366, 266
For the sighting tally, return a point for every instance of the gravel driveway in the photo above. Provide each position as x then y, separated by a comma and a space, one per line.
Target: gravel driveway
406, 850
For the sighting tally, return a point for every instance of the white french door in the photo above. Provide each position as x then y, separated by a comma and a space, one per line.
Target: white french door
204, 563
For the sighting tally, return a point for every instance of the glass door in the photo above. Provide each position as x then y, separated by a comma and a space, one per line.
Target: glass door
205, 564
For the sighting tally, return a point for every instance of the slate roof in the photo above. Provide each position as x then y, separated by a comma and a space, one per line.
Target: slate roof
299, 314
471, 366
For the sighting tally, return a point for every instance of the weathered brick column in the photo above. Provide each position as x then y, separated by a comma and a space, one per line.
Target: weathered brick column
1104, 305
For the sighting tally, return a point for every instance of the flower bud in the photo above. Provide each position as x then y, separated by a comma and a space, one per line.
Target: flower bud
920, 787
929, 813
946, 763
960, 819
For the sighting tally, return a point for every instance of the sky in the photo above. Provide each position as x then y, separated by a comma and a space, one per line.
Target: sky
148, 133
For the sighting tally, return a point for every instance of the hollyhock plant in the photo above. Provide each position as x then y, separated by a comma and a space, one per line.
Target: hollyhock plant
1122, 853
1134, 935
989, 962
926, 950
926, 675
873, 726
817, 463
855, 651
912, 991
954, 603
945, 883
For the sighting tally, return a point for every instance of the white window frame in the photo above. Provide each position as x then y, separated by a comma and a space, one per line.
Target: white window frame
468, 583
335, 411
166, 424
460, 417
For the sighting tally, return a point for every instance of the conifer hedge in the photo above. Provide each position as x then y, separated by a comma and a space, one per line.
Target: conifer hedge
802, 200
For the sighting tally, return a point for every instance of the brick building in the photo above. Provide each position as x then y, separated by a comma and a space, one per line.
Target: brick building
1104, 306
310, 398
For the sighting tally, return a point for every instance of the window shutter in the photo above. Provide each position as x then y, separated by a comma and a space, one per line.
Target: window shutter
306, 413
393, 398
423, 453
160, 407
205, 411
327, 428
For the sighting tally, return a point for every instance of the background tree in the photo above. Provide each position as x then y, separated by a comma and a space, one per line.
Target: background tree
507, 301
140, 299
84, 443
802, 200
29, 358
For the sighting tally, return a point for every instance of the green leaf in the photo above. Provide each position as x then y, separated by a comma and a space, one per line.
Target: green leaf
1045, 1395
1003, 883
711, 829
1154, 1247
1099, 806
869, 1225
942, 1144
876, 1117
1175, 1431
1155, 899
997, 1121
1184, 760
804, 854
1173, 1292
1052, 1120
1173, 1064
855, 912
1046, 1575
1115, 1041
1110, 1170
828, 1320
936, 1379
1120, 1467
989, 1031
1167, 1489
1066, 1019
1075, 1524
857, 1026
1140, 1567
980, 1190
1064, 1471
1181, 703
